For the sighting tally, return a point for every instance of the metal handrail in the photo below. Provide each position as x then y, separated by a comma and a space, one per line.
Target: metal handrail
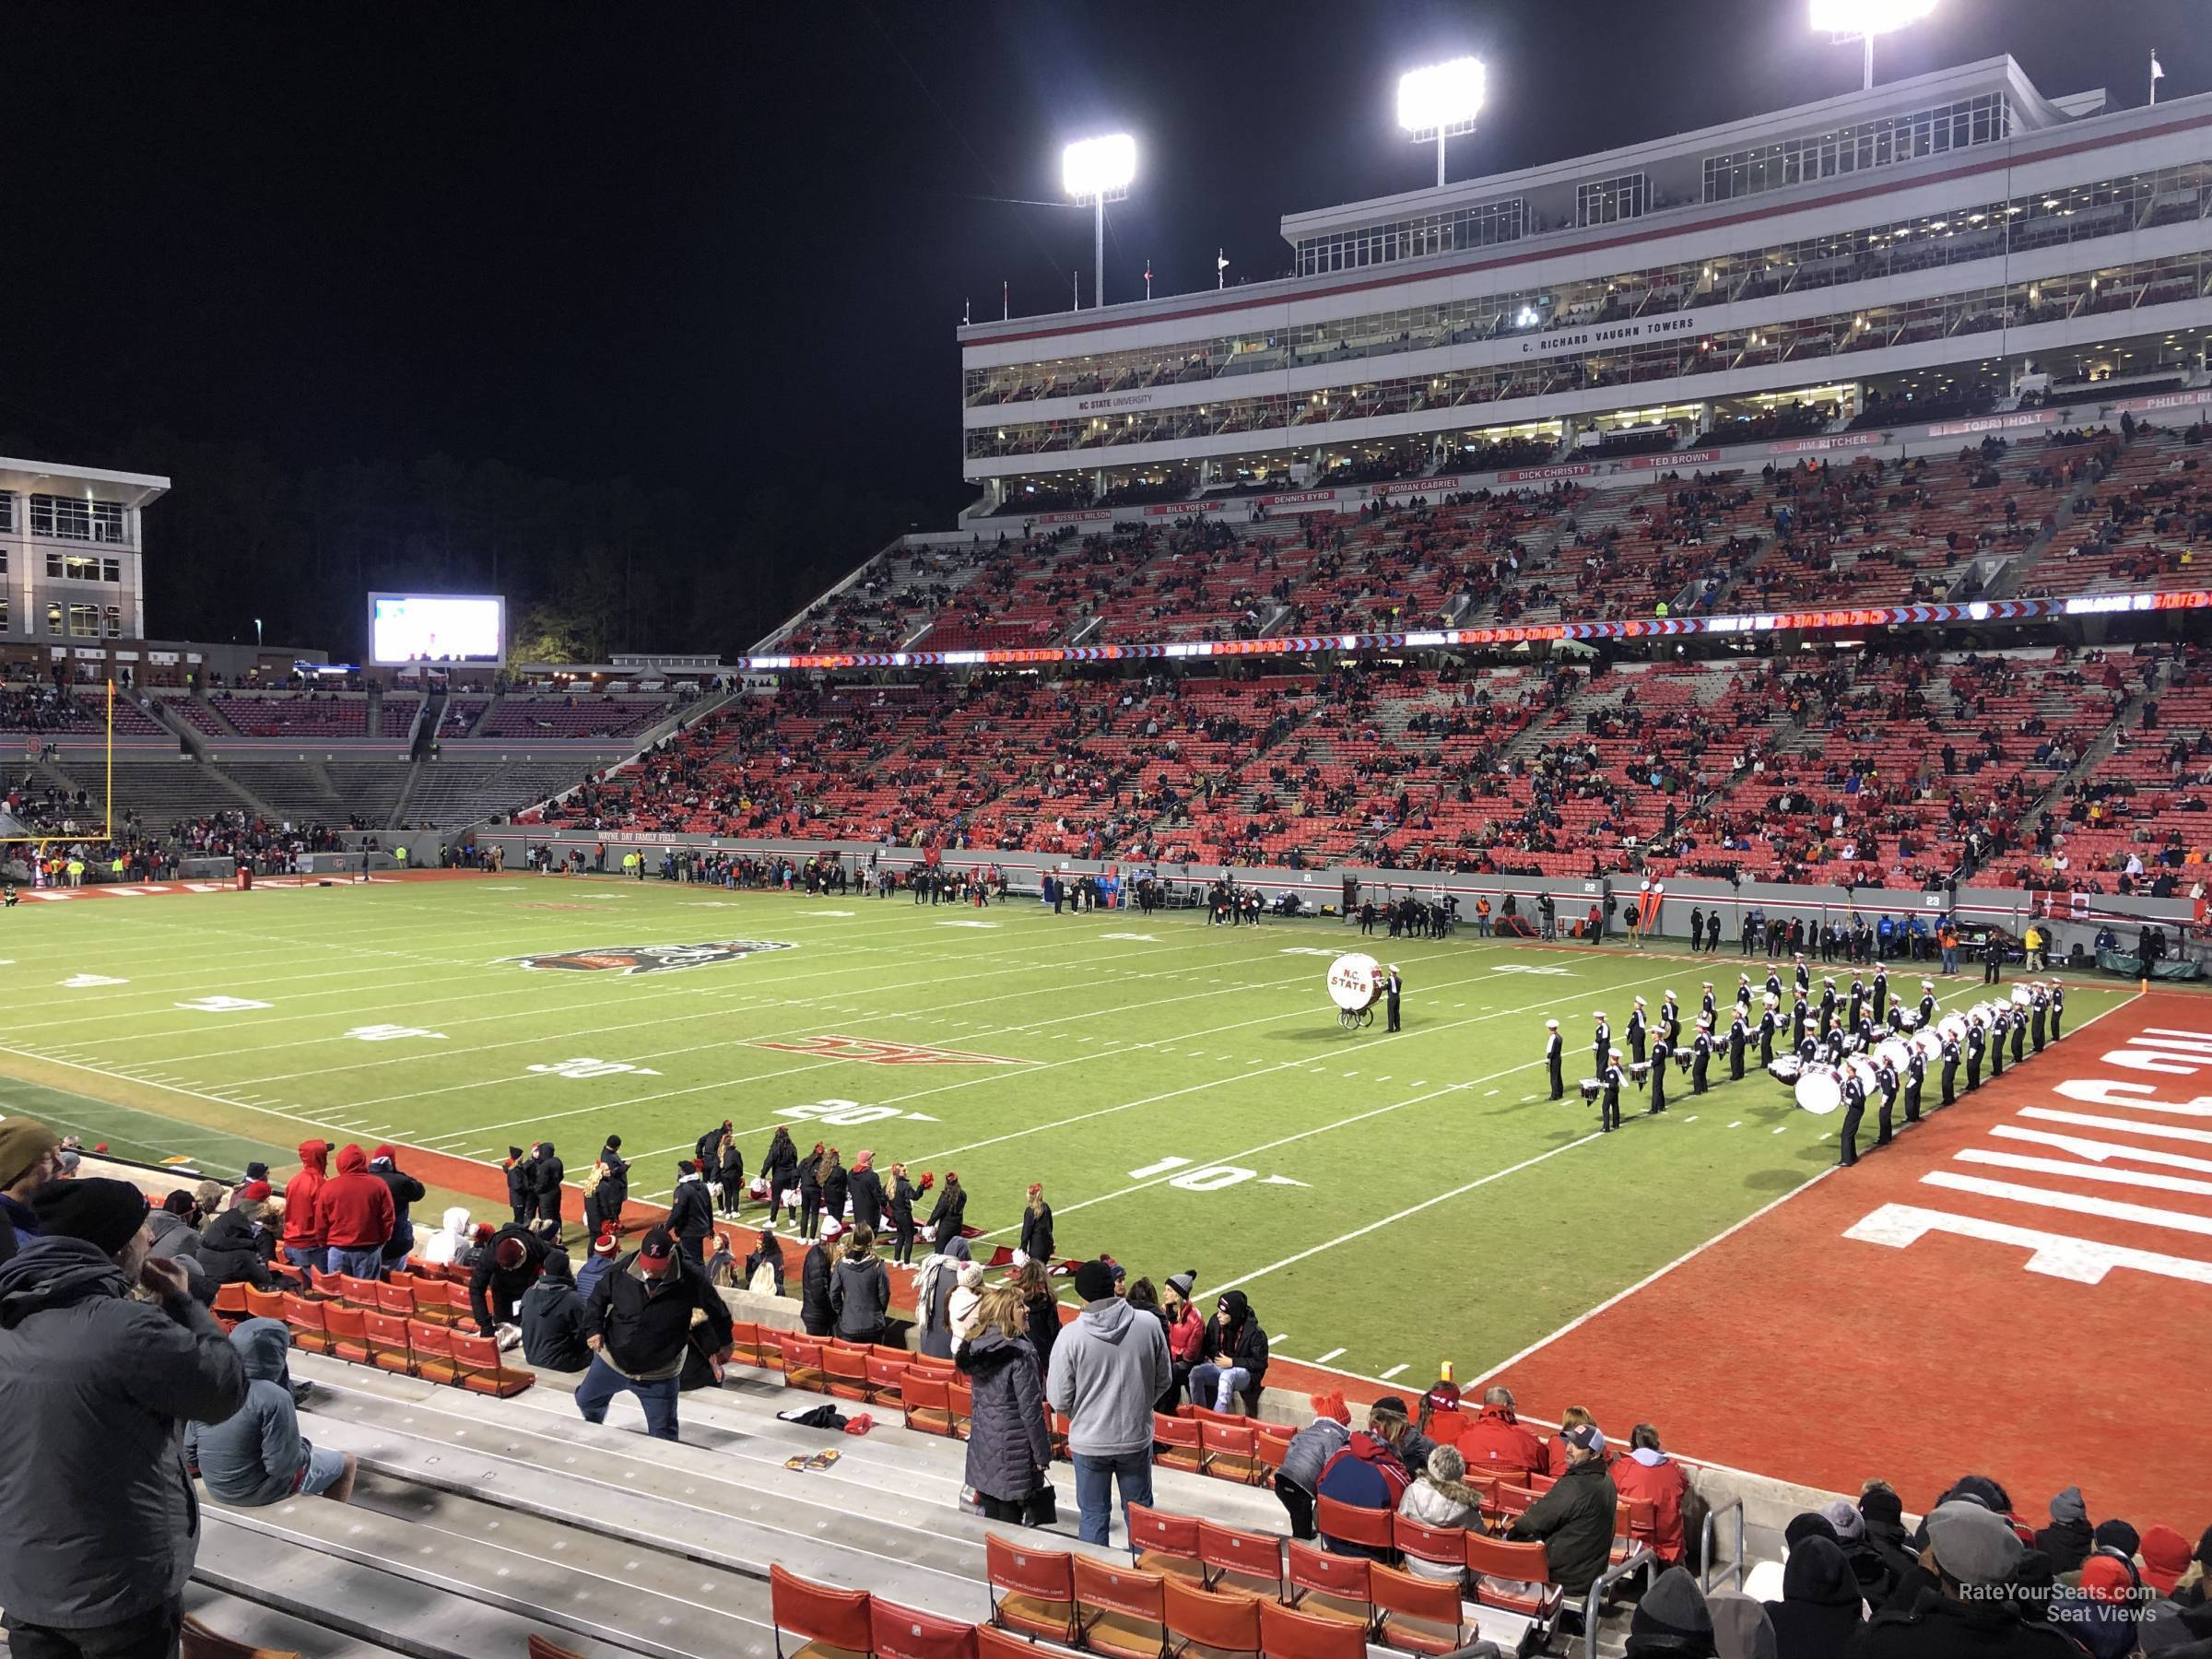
1638, 1558
1710, 1576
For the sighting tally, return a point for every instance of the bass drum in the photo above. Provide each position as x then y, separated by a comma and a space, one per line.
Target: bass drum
2022, 997
1862, 1067
1897, 1051
1929, 1044
1820, 1090
1952, 1026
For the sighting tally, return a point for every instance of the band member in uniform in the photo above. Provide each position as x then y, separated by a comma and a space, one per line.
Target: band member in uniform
1858, 1002
1997, 1023
1601, 1044
1976, 1041
2039, 1011
1636, 1032
1881, 992
1774, 985
1885, 1078
1610, 1075
1767, 1023
1391, 987
1828, 1000
1670, 1020
1855, 1108
1736, 1046
1660, 1054
1551, 1059
1706, 1006
1950, 1068
2058, 1006
1701, 1057
1927, 1002
2018, 1020
1832, 1043
1804, 976
1801, 1020
1864, 1031
1916, 1071
1743, 995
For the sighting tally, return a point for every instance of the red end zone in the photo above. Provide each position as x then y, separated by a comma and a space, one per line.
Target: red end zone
2018, 1288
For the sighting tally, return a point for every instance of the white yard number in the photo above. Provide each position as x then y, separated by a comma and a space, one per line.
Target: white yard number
842, 1113
587, 1068
388, 1033
221, 1005
1211, 1179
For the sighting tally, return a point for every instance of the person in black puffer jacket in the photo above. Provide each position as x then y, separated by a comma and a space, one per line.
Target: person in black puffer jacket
553, 1319
1036, 1228
860, 1289
690, 1212
836, 1182
231, 1249
1007, 1448
1234, 1342
816, 1314
781, 1167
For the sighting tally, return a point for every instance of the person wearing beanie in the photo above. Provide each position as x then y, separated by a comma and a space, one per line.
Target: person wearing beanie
354, 1212
1299, 1479
2069, 1538
213, 1198
234, 1250
646, 1316
1107, 1369
1185, 1330
1232, 1359
691, 1213
99, 1525
1884, 1512
2164, 1558
764, 1263
507, 1265
546, 1177
1574, 1519
604, 1249
1956, 1609
302, 1243
1368, 1471
30, 1158
1671, 1619
1740, 1627
552, 1319
1819, 1611
1441, 1497
609, 1188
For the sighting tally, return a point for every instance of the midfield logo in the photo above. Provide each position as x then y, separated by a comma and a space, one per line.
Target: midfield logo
870, 1052
650, 958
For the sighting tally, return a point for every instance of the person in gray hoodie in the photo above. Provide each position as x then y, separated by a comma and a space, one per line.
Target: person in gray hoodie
257, 1456
1107, 1369
99, 1525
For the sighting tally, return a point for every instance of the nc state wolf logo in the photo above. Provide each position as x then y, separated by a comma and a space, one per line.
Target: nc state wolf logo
871, 1052
649, 958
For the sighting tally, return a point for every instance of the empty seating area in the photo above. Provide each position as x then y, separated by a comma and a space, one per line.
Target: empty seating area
305, 715
42, 711
521, 717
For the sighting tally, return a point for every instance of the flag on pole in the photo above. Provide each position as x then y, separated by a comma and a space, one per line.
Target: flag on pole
1220, 264
2157, 73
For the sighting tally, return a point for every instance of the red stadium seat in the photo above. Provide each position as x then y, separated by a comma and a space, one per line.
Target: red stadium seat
1213, 1623
829, 1623
1349, 1523
1516, 1577
1165, 1544
1329, 1586
1176, 1442
1416, 1614
348, 1329
1253, 1560
307, 1322
898, 1632
1032, 1590
433, 1348
1288, 1634
1125, 1609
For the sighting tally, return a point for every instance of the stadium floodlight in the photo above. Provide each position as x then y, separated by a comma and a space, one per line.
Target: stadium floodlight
1440, 102
1099, 170
1861, 21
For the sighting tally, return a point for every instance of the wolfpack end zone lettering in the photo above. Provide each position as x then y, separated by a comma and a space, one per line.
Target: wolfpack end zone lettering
648, 958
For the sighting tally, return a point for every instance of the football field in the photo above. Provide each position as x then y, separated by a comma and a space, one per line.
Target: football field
1185, 1093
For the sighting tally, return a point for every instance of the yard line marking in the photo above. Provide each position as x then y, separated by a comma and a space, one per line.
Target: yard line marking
1392, 1371
1329, 1356
1692, 1118
1488, 1093
1526, 1163
1738, 1124
1782, 1128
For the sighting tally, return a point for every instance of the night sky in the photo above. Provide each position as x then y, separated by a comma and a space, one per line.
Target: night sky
709, 246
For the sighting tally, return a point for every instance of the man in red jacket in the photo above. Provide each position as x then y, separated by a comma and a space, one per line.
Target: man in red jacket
1648, 1476
356, 1215
302, 1238
1496, 1444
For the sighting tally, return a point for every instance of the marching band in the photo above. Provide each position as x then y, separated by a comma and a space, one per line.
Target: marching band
1858, 1046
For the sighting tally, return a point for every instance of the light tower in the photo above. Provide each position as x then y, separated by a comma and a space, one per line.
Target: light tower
1861, 21
1441, 102
1099, 170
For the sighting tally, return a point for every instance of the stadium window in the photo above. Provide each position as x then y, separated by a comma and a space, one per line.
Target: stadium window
7, 511
113, 615
53, 617
84, 621
111, 570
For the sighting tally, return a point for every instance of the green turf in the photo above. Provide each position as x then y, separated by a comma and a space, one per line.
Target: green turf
1385, 1200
